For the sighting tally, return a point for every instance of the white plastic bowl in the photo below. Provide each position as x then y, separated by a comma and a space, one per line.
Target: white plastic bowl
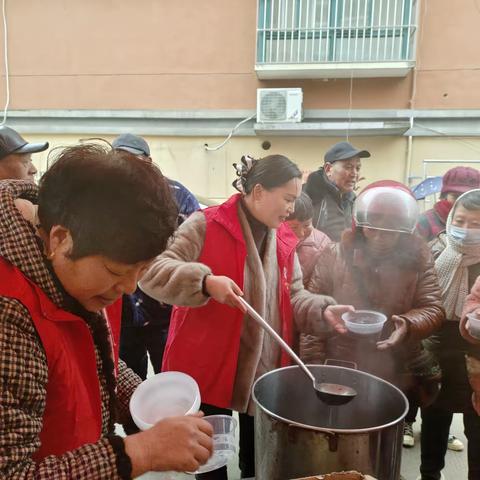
473, 326
364, 322
167, 394
223, 442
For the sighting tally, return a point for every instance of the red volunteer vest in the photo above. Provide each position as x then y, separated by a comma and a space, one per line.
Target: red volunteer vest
72, 415
204, 342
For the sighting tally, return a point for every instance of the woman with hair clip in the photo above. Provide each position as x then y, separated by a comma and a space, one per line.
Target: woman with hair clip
239, 248
457, 262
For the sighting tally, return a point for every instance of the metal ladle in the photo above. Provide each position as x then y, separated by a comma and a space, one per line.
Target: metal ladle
330, 393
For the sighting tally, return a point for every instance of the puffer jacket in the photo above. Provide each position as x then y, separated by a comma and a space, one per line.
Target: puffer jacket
332, 210
403, 284
308, 251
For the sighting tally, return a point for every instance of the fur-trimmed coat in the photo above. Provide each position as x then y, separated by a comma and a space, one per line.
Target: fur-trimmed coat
24, 369
403, 284
308, 251
176, 278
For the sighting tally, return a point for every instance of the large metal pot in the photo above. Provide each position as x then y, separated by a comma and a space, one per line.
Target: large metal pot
297, 435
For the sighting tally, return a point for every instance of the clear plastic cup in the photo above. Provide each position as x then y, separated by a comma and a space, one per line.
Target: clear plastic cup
473, 325
364, 322
167, 394
224, 446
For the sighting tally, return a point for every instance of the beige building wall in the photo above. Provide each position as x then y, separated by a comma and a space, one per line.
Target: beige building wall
188, 55
210, 174
191, 55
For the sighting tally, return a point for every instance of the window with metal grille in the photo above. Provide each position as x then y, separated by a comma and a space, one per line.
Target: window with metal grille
329, 31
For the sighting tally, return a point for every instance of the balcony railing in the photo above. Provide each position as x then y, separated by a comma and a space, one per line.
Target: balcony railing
328, 33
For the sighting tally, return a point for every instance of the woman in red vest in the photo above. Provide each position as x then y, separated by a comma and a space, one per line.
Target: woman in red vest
241, 247
102, 217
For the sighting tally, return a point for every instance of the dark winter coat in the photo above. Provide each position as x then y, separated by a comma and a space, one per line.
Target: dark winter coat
332, 210
403, 284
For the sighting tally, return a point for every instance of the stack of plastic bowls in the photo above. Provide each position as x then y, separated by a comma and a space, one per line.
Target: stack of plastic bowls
172, 394
168, 394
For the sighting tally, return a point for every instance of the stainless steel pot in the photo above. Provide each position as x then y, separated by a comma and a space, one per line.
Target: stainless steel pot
297, 435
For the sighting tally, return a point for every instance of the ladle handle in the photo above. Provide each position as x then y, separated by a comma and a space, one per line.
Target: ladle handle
253, 313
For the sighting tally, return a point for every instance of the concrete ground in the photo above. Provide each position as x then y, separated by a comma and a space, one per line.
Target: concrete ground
455, 462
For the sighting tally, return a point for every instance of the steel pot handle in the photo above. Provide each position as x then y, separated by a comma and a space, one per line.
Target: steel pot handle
341, 363
332, 436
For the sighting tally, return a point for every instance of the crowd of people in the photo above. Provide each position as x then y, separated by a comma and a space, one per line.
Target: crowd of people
107, 260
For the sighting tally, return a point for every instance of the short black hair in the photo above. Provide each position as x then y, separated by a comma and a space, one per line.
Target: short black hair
271, 172
303, 209
113, 203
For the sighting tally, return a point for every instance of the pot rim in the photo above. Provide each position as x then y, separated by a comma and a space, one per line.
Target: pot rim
331, 430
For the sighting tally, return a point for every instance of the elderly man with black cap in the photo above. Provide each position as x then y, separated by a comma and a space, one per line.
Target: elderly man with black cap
331, 189
16, 155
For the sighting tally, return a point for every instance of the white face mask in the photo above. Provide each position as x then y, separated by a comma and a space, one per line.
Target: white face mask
466, 236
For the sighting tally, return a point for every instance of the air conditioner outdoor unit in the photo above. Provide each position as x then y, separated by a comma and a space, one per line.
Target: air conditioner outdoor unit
279, 105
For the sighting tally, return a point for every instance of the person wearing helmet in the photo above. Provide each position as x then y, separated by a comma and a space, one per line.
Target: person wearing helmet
457, 262
381, 265
456, 181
